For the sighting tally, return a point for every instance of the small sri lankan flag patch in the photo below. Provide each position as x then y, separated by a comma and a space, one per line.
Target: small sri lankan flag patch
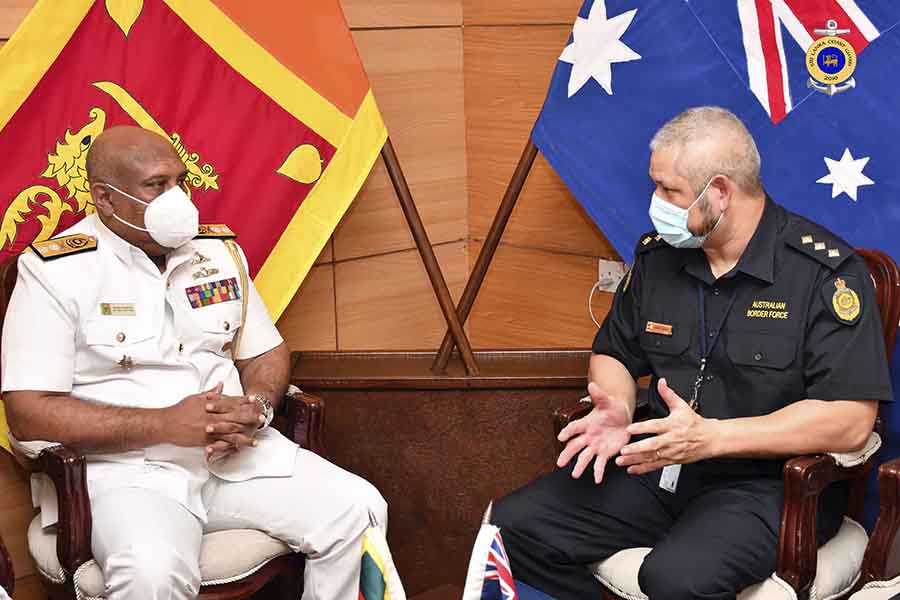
213, 292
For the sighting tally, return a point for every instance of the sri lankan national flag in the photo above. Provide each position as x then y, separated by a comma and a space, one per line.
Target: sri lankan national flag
378, 578
266, 102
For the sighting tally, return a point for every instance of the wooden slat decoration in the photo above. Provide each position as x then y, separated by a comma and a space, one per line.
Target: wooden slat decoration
402, 13
417, 77
516, 12
386, 302
508, 70
11, 14
308, 323
536, 299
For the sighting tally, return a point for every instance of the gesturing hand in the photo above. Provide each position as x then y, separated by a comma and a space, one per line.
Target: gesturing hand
600, 434
682, 437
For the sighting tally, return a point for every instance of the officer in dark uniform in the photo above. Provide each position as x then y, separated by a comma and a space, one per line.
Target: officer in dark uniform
761, 334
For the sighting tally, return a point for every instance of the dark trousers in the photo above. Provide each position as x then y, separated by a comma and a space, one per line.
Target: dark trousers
715, 536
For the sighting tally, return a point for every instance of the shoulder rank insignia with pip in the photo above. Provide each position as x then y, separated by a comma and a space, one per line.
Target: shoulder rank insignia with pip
215, 231
842, 299
64, 246
819, 244
649, 241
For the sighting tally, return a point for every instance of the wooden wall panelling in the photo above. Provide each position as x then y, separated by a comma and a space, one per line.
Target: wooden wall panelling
11, 14
309, 323
386, 302
536, 299
517, 12
30, 588
327, 254
402, 13
15, 515
508, 70
417, 78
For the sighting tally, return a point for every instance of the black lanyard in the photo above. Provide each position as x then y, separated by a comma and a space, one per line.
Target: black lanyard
705, 350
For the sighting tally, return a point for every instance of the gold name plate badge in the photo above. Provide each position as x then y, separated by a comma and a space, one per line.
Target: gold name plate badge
658, 328
117, 309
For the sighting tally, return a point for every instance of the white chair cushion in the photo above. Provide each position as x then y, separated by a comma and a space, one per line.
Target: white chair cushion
851, 459
878, 590
225, 556
839, 561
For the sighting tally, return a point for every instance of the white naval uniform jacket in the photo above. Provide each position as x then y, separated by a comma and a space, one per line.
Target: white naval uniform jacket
153, 350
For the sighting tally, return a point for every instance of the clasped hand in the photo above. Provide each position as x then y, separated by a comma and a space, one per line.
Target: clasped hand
680, 438
223, 424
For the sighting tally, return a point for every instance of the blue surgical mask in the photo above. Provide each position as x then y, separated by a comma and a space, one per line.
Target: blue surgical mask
671, 222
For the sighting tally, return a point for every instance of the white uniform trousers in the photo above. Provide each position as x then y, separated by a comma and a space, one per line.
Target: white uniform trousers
148, 545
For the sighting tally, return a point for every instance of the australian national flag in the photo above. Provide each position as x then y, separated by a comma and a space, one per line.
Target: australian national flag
629, 66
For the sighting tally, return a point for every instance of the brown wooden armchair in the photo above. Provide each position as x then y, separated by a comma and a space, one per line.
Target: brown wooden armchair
7, 577
62, 553
805, 477
880, 574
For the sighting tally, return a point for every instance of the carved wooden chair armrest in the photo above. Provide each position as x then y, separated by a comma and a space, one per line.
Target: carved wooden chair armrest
303, 420
7, 576
875, 562
805, 477
66, 469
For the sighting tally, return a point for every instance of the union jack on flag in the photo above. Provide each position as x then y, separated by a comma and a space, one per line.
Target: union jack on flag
490, 576
498, 569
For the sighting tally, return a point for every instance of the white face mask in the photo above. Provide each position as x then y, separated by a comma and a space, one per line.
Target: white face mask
171, 218
671, 222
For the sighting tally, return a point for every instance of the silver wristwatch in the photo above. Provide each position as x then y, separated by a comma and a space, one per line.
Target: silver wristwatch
266, 407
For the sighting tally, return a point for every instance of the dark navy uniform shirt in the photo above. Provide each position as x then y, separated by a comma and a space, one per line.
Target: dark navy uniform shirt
803, 324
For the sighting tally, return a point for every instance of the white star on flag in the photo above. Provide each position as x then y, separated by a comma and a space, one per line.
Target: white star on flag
845, 175
596, 46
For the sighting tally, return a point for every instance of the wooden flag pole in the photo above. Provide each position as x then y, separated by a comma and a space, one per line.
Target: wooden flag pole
473, 286
428, 258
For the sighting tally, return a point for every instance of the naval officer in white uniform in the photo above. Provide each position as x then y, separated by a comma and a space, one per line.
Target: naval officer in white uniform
135, 342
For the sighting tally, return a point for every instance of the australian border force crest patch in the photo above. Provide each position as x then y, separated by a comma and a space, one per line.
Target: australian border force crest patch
842, 298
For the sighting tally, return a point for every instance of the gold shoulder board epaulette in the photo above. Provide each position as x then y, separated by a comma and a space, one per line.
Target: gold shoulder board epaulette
64, 246
649, 241
819, 244
216, 231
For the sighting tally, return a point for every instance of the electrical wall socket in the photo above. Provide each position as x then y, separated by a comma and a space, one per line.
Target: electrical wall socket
609, 274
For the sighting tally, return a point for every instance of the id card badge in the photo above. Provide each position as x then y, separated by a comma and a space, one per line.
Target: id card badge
669, 478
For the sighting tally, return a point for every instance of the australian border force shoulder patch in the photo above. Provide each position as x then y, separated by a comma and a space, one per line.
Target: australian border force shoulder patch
841, 295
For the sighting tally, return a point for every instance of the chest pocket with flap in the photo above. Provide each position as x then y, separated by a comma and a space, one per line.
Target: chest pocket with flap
754, 349
110, 339
218, 323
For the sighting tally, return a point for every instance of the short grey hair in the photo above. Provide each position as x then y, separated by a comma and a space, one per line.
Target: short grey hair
711, 141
